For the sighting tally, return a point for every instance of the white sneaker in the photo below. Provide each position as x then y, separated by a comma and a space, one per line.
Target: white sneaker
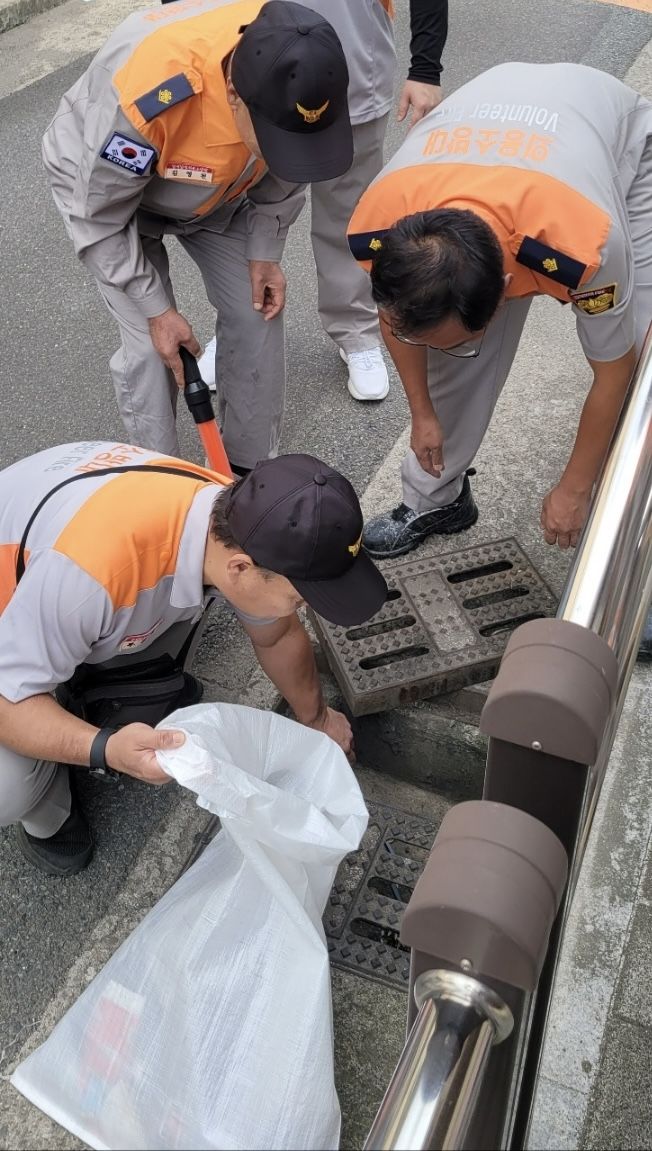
206, 364
368, 379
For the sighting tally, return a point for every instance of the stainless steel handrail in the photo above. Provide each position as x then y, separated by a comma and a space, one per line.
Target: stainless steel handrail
609, 587
608, 590
431, 1098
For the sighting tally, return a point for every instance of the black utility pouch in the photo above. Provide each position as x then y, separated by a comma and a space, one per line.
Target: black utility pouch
141, 693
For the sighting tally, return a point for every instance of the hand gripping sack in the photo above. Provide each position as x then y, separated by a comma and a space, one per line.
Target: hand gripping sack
211, 1026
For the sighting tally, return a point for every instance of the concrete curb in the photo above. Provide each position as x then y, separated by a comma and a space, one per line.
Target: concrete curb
16, 12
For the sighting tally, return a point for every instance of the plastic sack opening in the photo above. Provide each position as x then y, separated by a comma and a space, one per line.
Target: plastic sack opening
211, 1026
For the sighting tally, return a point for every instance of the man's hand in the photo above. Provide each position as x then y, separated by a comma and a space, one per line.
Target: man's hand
167, 332
420, 97
336, 725
427, 443
267, 288
563, 514
132, 750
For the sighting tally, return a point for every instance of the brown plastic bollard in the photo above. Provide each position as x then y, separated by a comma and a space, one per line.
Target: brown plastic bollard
489, 893
554, 690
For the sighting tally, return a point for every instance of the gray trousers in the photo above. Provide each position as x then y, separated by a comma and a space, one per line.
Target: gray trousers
37, 792
251, 352
464, 392
346, 309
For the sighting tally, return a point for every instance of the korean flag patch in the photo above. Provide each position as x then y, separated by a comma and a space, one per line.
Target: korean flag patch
128, 154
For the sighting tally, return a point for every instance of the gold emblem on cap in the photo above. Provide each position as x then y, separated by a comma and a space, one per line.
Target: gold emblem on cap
164, 96
312, 115
551, 265
355, 548
375, 244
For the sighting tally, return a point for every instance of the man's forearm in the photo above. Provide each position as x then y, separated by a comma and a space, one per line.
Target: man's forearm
39, 729
118, 262
290, 664
597, 423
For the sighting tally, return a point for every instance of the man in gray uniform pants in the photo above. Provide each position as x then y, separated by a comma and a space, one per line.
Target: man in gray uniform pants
530, 180
184, 124
109, 559
347, 311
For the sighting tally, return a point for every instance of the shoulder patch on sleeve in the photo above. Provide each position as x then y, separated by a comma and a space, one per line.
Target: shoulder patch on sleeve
364, 245
594, 301
127, 153
550, 262
164, 96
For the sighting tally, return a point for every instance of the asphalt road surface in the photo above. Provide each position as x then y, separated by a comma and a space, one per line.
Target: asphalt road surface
56, 340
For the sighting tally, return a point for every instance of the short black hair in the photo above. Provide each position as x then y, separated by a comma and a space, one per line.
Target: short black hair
221, 532
436, 264
219, 524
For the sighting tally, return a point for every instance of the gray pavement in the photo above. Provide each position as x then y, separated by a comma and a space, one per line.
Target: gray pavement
57, 338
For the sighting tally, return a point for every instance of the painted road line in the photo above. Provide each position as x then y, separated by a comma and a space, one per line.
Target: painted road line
639, 5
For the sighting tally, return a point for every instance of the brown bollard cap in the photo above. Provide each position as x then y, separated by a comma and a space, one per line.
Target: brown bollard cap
489, 893
554, 690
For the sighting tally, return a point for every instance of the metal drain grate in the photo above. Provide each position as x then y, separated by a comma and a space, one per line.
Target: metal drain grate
444, 626
372, 887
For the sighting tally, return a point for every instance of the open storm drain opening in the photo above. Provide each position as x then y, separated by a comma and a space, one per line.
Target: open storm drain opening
372, 888
444, 626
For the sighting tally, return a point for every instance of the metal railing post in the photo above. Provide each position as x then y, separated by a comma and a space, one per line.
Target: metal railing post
546, 753
551, 716
479, 917
432, 1096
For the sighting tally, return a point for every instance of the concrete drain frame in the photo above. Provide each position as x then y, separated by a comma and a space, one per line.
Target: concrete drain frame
372, 888
444, 626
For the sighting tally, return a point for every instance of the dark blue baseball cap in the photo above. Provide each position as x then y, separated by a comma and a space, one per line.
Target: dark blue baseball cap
300, 518
289, 69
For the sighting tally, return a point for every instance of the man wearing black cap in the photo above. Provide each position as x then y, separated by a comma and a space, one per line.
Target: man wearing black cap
109, 557
202, 119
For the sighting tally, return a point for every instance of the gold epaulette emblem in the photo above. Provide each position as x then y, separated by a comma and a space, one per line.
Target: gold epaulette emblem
375, 244
551, 265
164, 95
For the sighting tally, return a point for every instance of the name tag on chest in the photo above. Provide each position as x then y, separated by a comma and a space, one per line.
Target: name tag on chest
190, 173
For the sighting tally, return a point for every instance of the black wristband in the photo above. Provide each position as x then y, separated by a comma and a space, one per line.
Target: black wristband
97, 758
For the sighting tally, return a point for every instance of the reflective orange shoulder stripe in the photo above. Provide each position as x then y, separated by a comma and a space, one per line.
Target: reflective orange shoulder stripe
141, 512
206, 136
514, 201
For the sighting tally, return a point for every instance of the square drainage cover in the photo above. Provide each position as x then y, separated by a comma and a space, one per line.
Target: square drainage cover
372, 888
445, 625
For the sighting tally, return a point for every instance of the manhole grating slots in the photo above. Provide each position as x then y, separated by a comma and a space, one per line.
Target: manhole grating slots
444, 626
372, 887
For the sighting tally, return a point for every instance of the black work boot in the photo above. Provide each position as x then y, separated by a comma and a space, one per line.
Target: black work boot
400, 530
192, 692
66, 852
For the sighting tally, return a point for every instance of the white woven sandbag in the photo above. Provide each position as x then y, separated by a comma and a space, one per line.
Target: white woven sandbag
211, 1026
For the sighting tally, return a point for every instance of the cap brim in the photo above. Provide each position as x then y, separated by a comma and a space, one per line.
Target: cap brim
351, 598
300, 158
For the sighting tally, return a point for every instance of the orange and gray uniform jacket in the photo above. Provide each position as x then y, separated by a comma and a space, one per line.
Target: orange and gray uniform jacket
546, 155
112, 561
145, 141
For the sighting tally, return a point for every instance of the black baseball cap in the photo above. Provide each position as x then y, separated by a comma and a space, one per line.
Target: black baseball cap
300, 518
289, 69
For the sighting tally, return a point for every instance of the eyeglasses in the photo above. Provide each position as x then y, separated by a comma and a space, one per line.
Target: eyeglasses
468, 350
